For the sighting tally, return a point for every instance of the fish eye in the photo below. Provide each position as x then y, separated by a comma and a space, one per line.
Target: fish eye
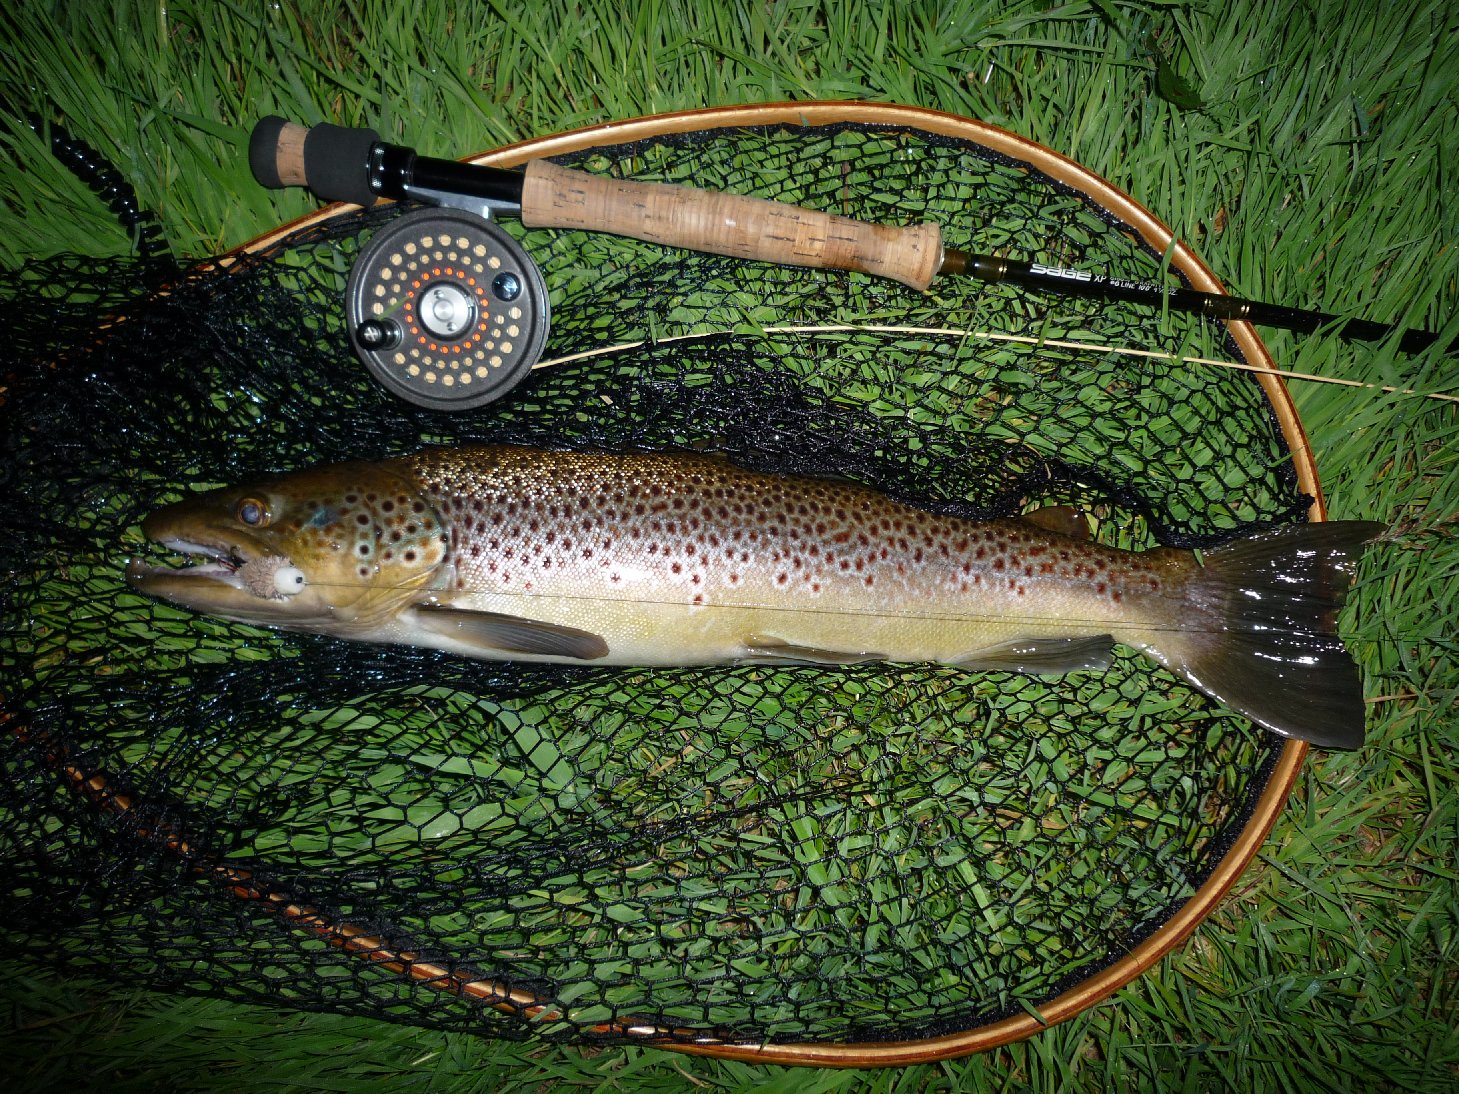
252, 512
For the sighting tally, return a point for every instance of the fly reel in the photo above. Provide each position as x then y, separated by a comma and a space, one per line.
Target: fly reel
446, 309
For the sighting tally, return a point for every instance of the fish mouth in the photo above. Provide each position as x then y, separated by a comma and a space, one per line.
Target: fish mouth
219, 564
231, 580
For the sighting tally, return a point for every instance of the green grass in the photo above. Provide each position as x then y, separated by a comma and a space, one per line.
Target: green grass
1308, 151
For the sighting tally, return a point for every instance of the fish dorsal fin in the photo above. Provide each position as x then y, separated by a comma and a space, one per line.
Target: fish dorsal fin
1063, 519
496, 634
1043, 655
762, 649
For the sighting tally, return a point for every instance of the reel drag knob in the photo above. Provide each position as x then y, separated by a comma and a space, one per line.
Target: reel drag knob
446, 309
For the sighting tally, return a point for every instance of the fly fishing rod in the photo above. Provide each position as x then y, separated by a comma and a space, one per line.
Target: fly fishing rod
423, 335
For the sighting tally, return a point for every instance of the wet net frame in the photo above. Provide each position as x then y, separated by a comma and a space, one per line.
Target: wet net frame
852, 867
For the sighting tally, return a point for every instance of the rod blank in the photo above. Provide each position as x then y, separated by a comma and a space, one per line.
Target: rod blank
1211, 305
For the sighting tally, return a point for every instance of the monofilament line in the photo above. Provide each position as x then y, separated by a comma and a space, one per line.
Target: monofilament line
993, 336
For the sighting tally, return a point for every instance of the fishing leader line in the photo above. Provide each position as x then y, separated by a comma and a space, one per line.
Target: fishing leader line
994, 336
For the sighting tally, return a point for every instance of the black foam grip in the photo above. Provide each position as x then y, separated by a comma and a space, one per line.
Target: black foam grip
263, 151
337, 163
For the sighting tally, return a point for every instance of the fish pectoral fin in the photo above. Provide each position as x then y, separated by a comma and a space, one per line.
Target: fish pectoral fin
498, 633
761, 649
1063, 519
1043, 655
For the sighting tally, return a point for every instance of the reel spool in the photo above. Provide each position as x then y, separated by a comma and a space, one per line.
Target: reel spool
446, 309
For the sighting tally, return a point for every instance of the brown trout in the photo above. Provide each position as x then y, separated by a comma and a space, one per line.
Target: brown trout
669, 559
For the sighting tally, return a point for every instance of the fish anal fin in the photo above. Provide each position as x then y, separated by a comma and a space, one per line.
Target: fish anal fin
496, 634
1063, 519
1043, 656
769, 650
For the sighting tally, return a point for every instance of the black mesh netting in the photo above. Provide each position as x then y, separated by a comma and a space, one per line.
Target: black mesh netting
790, 854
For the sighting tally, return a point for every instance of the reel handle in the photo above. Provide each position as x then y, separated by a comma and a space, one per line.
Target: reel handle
353, 165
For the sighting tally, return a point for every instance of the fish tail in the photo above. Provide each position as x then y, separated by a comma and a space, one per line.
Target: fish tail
1261, 631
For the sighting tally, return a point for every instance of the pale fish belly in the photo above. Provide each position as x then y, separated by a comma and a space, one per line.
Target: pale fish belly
683, 560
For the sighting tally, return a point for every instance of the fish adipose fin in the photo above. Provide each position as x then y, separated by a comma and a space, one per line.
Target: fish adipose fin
1266, 641
763, 649
498, 634
1043, 655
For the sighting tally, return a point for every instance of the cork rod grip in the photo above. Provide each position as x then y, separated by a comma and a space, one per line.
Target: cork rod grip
728, 224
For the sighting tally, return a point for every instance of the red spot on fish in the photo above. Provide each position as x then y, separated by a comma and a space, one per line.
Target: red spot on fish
998, 564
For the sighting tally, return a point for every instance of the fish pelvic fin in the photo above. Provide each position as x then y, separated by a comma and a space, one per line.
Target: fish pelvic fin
1263, 633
